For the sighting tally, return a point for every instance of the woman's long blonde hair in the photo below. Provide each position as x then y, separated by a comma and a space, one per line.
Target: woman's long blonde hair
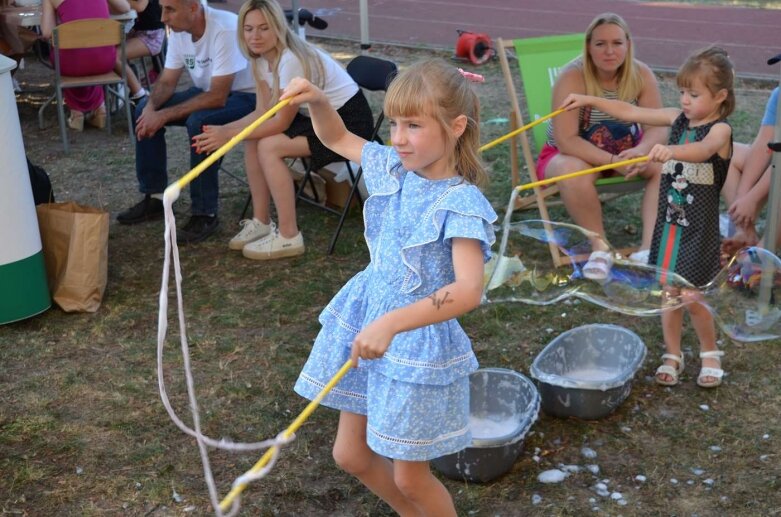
630, 81
286, 38
437, 89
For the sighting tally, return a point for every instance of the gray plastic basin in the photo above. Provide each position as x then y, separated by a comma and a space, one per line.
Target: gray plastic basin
587, 372
503, 405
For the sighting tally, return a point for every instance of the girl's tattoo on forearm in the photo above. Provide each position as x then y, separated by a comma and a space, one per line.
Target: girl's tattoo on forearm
439, 302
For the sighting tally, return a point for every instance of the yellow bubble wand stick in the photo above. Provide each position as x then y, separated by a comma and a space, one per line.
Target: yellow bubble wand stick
584, 172
520, 130
175, 188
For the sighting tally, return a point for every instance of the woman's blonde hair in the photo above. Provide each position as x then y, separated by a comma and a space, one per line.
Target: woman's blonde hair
286, 38
630, 81
714, 68
437, 89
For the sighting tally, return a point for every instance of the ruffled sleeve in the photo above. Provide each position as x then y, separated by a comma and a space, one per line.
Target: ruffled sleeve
469, 226
380, 168
461, 211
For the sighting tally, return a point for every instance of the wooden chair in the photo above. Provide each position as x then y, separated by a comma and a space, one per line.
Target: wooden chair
88, 33
539, 62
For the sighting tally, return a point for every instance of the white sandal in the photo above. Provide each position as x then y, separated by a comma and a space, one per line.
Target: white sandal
598, 265
666, 369
707, 371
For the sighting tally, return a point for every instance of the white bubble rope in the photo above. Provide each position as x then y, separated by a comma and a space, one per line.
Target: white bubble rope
171, 250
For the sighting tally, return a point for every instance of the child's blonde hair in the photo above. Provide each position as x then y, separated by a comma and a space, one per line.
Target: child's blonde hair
286, 38
437, 89
714, 68
630, 81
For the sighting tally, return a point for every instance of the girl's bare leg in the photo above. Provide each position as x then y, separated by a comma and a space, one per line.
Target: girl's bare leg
354, 456
672, 324
419, 485
702, 321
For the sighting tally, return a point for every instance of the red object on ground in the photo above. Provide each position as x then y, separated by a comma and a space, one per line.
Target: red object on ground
476, 47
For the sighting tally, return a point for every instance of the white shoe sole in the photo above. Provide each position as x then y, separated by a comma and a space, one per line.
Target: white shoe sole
283, 253
239, 245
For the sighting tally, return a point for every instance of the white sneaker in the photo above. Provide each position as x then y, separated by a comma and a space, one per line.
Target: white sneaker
640, 256
274, 246
251, 230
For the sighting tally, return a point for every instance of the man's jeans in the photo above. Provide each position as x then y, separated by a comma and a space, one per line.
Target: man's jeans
151, 166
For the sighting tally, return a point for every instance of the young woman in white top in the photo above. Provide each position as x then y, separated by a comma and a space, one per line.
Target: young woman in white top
278, 55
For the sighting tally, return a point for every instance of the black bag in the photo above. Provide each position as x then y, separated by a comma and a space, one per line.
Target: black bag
42, 187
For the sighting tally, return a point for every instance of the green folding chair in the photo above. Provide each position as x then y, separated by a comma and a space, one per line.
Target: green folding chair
539, 62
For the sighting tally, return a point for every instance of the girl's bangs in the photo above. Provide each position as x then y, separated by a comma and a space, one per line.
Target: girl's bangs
408, 96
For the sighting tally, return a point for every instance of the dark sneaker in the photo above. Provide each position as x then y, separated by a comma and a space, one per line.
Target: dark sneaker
147, 209
197, 229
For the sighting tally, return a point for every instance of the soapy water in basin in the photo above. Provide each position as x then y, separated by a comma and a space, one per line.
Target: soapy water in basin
486, 427
590, 374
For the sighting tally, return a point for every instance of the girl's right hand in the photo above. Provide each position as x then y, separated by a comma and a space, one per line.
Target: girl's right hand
301, 91
372, 341
575, 100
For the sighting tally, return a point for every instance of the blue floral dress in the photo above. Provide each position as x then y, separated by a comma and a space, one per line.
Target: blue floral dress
416, 397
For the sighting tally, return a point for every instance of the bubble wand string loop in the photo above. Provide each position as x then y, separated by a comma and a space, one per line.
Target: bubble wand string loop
240, 485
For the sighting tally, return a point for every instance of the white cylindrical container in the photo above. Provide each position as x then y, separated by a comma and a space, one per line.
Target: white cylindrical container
23, 288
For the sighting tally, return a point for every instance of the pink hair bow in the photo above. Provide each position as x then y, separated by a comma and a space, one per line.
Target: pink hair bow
469, 76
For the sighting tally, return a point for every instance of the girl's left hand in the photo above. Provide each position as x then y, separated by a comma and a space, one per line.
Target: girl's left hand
211, 139
660, 153
372, 341
630, 171
299, 91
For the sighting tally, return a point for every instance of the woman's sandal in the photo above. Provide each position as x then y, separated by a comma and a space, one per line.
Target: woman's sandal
707, 371
666, 369
598, 265
98, 117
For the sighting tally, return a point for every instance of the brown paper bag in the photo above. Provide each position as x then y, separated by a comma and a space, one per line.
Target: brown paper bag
75, 249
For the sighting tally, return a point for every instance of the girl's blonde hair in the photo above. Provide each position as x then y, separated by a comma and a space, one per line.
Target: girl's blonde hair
714, 68
286, 38
437, 89
630, 81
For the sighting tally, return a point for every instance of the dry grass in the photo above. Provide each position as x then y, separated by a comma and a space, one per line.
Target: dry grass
82, 430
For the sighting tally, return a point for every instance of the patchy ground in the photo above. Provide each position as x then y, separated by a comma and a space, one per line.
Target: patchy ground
83, 432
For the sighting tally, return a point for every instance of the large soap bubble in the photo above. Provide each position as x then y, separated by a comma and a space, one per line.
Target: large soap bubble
742, 297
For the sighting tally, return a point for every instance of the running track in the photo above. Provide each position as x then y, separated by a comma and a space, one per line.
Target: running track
664, 32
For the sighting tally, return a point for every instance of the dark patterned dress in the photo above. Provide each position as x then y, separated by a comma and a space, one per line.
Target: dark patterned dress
686, 236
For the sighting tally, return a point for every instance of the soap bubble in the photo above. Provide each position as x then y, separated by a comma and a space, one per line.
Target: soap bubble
742, 297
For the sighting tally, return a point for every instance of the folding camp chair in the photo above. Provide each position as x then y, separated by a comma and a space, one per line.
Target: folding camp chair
375, 75
539, 61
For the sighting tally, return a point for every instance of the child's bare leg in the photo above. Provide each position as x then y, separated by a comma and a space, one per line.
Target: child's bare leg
702, 321
672, 323
354, 456
420, 486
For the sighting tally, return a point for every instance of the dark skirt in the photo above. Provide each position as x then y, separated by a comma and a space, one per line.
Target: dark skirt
357, 117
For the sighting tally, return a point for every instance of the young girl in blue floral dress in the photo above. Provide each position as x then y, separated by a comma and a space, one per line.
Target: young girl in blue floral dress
429, 233
686, 236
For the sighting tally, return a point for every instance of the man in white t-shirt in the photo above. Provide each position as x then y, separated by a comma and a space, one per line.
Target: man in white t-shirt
203, 41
